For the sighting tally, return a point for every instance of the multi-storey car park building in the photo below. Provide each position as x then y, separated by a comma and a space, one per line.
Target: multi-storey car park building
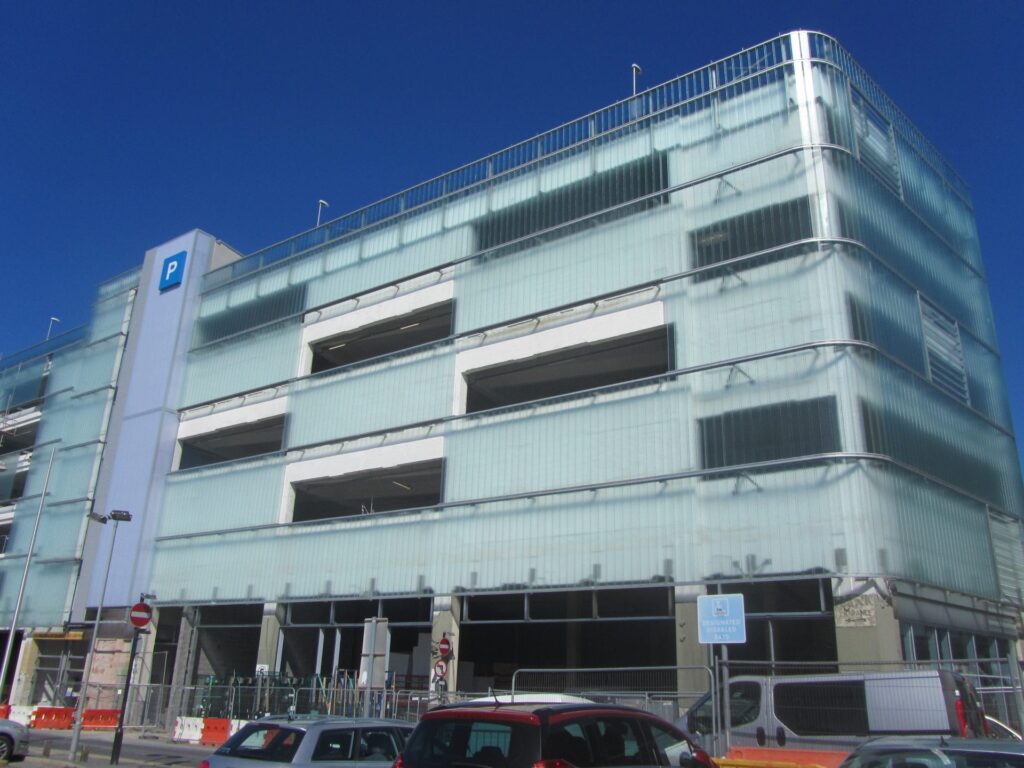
732, 334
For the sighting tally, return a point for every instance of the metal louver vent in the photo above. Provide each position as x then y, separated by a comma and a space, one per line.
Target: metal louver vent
945, 355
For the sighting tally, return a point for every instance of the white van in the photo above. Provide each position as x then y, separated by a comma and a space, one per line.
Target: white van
841, 710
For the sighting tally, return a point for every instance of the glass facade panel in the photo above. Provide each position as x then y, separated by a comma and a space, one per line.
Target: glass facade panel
397, 390
23, 383
871, 214
702, 528
232, 495
913, 422
73, 472
47, 593
110, 317
255, 360
8, 469
86, 368
74, 419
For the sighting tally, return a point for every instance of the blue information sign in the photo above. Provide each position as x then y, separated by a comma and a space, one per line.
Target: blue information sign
173, 270
721, 619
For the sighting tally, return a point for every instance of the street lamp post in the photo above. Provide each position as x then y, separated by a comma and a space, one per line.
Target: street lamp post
24, 579
118, 516
321, 204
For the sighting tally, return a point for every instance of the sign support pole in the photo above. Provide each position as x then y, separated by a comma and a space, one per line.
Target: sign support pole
115, 752
726, 714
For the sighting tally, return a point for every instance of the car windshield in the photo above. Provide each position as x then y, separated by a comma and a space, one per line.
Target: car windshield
263, 741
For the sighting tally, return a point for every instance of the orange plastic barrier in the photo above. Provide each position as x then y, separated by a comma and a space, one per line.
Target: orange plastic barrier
779, 757
56, 718
100, 719
215, 731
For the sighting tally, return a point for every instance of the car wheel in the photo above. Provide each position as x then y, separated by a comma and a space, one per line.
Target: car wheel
5, 748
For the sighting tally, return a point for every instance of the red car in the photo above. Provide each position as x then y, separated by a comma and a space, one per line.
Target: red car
545, 735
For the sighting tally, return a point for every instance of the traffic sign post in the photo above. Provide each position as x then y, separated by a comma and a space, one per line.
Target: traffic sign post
444, 647
140, 615
722, 619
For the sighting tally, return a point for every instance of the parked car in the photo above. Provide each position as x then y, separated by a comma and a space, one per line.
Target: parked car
997, 729
13, 741
546, 735
936, 752
313, 741
839, 711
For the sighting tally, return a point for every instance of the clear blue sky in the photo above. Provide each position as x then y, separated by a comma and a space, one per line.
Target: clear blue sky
124, 124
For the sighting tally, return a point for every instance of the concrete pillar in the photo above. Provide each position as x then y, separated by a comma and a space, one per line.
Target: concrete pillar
270, 637
24, 672
867, 630
692, 679
447, 613
184, 659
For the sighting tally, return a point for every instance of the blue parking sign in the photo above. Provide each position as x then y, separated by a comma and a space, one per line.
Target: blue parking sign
173, 270
721, 619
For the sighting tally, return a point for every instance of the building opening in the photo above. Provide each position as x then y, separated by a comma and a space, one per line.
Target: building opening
408, 486
410, 330
573, 369
502, 633
239, 442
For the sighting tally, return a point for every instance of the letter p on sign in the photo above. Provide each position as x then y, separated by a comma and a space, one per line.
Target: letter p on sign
173, 270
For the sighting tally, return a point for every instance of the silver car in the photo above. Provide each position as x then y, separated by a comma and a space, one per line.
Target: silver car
313, 742
13, 741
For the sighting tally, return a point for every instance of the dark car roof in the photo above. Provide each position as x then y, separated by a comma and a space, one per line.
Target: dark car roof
902, 743
307, 721
532, 713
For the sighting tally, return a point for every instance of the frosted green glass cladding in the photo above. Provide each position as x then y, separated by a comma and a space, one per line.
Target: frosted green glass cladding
379, 256
74, 419
22, 384
705, 89
985, 382
613, 436
234, 495
691, 528
925, 533
109, 317
47, 594
401, 389
81, 370
87, 368
8, 469
640, 244
255, 360
709, 133
72, 476
909, 420
870, 214
832, 367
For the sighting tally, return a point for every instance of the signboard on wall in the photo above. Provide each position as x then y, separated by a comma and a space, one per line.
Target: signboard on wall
173, 270
721, 619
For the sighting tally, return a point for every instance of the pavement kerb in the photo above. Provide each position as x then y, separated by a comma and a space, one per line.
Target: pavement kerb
98, 754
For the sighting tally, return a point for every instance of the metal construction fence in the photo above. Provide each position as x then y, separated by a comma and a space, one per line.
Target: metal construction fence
688, 695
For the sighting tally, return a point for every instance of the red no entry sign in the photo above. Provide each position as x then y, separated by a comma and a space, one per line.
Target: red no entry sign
140, 615
444, 647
